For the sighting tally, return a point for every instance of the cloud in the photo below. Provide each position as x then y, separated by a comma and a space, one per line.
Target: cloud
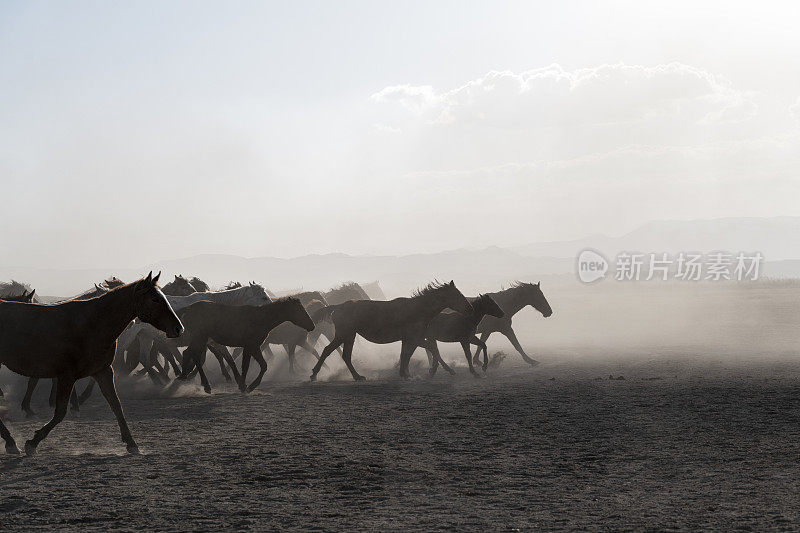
604, 94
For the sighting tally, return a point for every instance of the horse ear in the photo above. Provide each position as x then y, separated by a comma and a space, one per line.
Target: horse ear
538, 283
452, 283
176, 276
31, 294
155, 279
149, 277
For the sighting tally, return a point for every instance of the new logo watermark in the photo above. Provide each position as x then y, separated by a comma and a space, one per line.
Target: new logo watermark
592, 266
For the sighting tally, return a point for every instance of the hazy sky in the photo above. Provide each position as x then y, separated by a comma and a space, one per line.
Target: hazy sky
138, 131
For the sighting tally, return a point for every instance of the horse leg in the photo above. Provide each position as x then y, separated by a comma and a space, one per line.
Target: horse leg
53, 392
222, 354
432, 347
256, 354
26, 400
64, 386
216, 349
484, 336
192, 358
313, 351
290, 348
171, 354
11, 446
203, 378
335, 343
74, 404
87, 392
105, 379
513, 338
347, 355
245, 368
406, 351
481, 346
468, 355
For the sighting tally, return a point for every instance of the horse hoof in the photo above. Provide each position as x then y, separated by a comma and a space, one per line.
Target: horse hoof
207, 389
11, 449
30, 448
313, 377
133, 449
533, 362
29, 414
360, 378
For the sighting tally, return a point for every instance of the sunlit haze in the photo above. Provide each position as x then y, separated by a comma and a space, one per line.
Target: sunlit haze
143, 131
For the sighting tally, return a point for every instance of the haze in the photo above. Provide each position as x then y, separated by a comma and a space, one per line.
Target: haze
132, 133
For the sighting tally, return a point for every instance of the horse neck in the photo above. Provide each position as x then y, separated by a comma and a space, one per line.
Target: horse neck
478, 312
114, 310
509, 300
273, 313
428, 306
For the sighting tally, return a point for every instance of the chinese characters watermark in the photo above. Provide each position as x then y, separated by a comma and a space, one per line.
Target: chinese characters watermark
685, 266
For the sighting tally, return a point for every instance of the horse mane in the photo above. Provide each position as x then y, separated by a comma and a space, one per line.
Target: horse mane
518, 284
287, 299
350, 286
199, 284
346, 286
14, 288
431, 287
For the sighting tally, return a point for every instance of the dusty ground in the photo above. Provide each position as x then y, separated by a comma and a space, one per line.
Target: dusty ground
677, 444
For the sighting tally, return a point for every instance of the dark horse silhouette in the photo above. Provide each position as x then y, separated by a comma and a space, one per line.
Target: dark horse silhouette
291, 336
449, 326
511, 301
25, 297
77, 339
245, 326
75, 400
382, 322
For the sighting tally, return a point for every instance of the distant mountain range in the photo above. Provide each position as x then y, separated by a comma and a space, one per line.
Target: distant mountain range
777, 238
475, 270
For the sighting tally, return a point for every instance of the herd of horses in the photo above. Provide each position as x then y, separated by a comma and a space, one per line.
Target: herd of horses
122, 328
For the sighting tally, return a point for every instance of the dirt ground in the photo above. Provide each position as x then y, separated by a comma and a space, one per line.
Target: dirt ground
679, 443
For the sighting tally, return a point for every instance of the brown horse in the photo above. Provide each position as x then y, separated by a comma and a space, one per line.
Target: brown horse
291, 336
245, 326
25, 297
511, 301
449, 326
179, 286
75, 400
77, 339
382, 322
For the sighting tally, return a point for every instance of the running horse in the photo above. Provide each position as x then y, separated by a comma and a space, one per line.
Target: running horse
511, 301
77, 339
382, 322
